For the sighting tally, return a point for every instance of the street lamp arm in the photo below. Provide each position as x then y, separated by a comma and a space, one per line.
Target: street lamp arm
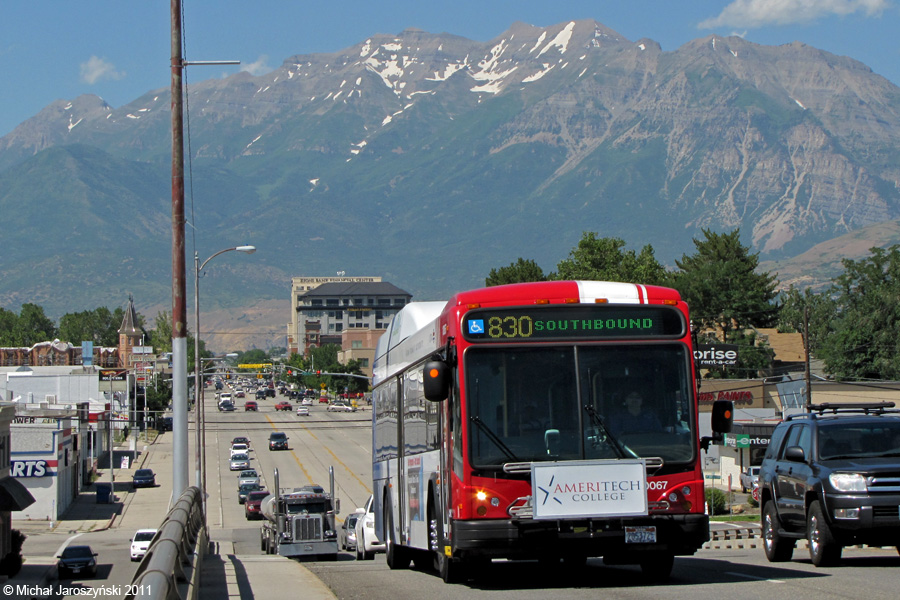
246, 249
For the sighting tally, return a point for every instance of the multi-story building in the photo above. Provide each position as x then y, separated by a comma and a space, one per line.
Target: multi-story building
327, 307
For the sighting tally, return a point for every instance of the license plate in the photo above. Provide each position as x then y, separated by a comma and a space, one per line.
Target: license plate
76, 570
644, 534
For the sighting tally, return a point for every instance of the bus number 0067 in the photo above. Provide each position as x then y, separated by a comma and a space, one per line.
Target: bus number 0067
510, 327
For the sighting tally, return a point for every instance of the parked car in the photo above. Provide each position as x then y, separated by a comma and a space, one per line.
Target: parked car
347, 532
252, 506
278, 441
239, 462
283, 405
830, 476
367, 543
339, 406
140, 543
251, 405
245, 489
248, 476
143, 478
749, 478
302, 411
77, 560
164, 424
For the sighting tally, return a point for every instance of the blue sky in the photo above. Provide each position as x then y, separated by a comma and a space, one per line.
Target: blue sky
56, 49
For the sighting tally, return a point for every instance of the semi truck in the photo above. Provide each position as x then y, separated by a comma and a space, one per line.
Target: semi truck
300, 522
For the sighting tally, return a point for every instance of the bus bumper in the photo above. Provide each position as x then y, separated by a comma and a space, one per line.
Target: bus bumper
679, 535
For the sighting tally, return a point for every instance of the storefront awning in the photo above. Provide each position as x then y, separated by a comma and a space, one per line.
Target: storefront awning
13, 495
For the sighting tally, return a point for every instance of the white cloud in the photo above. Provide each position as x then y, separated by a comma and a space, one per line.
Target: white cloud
759, 13
260, 67
97, 68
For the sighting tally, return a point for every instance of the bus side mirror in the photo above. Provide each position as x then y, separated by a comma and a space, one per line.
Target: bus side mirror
436, 382
722, 416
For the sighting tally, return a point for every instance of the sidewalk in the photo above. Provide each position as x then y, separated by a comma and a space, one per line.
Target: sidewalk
223, 574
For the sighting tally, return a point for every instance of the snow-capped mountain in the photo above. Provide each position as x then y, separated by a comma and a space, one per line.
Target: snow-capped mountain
430, 159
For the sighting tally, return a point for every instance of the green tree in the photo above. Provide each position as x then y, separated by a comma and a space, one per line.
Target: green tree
161, 335
353, 384
819, 308
158, 396
727, 296
865, 343
518, 272
33, 326
8, 320
604, 259
100, 326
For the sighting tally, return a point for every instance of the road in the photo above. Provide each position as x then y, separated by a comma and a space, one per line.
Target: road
342, 440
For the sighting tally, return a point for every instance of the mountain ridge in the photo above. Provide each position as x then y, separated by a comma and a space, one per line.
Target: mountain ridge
429, 159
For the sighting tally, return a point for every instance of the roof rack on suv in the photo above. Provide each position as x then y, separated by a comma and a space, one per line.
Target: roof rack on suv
863, 407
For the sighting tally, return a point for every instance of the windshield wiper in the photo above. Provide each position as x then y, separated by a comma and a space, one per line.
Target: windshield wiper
494, 438
623, 450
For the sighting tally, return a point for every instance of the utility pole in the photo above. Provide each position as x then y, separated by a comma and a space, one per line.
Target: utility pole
179, 307
807, 374
179, 304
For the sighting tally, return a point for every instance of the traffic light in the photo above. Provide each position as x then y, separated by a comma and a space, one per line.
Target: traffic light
290, 372
318, 372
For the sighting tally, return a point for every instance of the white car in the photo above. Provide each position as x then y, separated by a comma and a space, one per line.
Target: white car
367, 543
140, 543
341, 407
302, 411
239, 449
306, 402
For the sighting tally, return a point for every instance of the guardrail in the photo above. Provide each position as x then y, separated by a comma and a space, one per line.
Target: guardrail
171, 568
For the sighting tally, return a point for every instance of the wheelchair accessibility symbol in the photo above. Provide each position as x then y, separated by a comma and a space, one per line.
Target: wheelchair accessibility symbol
476, 326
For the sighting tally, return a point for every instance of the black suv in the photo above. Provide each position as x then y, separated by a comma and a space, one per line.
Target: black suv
278, 441
832, 477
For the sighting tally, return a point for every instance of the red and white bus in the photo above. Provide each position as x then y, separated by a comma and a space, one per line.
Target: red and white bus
552, 420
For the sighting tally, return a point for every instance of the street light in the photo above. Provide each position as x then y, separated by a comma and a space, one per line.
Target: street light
198, 376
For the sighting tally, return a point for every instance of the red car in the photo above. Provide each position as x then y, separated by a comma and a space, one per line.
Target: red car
283, 405
251, 405
252, 505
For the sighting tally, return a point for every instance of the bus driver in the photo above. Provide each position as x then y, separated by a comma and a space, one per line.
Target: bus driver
634, 419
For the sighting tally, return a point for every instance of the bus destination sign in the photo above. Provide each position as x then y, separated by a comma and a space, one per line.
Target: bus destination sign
572, 321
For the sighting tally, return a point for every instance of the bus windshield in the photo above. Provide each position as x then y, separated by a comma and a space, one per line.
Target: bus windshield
579, 402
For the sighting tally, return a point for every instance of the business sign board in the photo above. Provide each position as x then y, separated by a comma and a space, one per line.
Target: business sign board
32, 468
583, 489
716, 355
746, 440
113, 375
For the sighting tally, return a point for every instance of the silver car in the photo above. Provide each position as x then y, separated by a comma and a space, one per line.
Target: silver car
248, 476
240, 462
347, 532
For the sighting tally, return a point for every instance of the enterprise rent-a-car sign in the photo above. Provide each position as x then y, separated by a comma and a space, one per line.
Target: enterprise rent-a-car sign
716, 355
